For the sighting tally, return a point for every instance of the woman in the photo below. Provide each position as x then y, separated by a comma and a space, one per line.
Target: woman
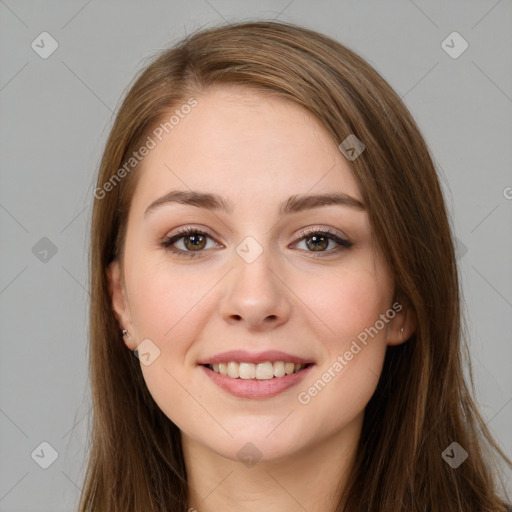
275, 315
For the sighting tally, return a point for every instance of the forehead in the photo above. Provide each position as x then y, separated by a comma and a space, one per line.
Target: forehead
245, 144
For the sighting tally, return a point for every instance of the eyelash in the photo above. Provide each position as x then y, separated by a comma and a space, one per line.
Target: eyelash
184, 232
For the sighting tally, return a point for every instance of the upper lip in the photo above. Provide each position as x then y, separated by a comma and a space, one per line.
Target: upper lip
242, 356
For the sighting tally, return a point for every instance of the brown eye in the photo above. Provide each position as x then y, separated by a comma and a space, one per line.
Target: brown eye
317, 241
194, 241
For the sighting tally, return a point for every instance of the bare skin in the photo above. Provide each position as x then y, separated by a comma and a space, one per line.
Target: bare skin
256, 150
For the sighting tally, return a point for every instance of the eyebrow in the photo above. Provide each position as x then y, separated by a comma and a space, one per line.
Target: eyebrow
293, 204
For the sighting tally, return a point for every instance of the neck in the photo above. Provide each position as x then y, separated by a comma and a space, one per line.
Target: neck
311, 479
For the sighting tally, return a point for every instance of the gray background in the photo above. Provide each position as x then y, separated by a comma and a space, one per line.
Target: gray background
55, 115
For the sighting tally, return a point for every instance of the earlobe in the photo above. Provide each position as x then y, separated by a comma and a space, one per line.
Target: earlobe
402, 327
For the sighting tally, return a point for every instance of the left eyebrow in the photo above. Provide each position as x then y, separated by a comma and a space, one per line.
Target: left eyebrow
293, 204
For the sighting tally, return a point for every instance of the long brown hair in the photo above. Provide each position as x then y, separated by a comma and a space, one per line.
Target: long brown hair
422, 402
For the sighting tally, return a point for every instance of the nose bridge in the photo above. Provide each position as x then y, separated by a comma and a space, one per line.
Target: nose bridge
256, 293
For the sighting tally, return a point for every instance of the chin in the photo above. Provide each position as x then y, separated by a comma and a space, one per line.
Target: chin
257, 444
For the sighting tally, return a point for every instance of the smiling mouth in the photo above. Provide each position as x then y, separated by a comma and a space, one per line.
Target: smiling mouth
260, 371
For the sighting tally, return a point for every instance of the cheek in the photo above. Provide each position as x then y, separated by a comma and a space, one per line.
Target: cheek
355, 348
166, 307
163, 300
345, 303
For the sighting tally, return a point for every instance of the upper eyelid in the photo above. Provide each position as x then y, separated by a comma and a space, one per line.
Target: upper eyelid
187, 230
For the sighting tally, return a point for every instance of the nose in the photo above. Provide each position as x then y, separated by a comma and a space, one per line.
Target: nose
255, 295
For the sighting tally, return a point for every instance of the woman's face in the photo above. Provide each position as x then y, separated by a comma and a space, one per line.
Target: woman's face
260, 280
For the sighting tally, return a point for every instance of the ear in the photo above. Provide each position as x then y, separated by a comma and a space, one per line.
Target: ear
405, 318
120, 304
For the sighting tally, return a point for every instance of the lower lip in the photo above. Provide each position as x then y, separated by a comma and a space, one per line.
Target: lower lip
257, 389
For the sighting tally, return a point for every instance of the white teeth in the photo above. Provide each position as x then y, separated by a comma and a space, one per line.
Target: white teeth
247, 370
233, 370
264, 371
279, 369
260, 371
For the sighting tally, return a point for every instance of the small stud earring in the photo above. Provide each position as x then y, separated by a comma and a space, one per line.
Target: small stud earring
401, 329
124, 332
